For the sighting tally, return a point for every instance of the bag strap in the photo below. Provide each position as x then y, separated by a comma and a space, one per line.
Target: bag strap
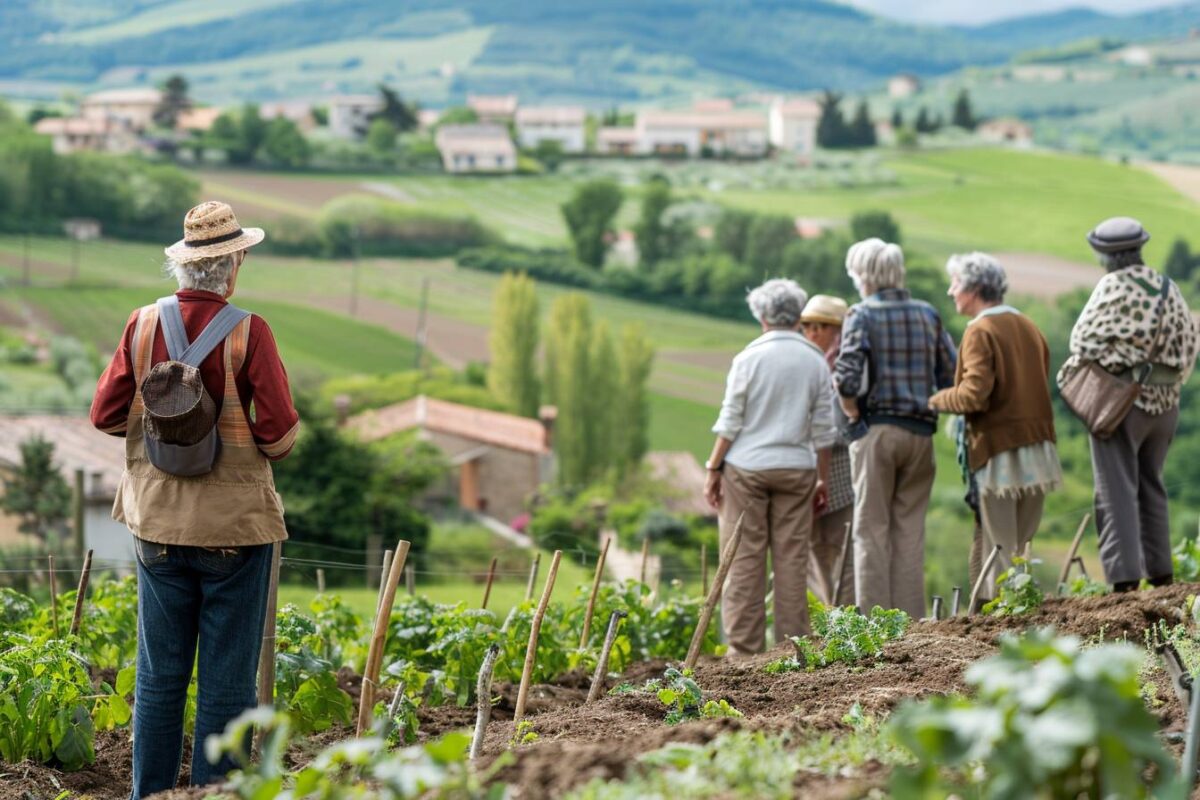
171, 319
193, 353
1141, 372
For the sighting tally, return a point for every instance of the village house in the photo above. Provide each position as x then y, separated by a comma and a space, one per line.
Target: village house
562, 124
476, 148
903, 85
78, 447
78, 134
1006, 131
134, 107
197, 120
298, 111
497, 109
498, 460
694, 133
350, 115
616, 141
793, 125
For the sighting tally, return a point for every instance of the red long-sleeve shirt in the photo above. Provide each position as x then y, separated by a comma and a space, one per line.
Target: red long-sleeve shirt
262, 379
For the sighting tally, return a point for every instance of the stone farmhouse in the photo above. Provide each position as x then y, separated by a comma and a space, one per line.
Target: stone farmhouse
476, 148
562, 124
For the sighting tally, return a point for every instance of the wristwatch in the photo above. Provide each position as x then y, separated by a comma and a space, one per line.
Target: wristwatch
711, 467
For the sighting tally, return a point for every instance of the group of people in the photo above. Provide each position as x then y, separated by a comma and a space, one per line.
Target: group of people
824, 445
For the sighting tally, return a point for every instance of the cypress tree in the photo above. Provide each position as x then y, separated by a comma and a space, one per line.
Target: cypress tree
963, 117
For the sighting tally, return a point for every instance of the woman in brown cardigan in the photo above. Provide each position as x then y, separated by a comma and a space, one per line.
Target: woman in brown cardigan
1001, 387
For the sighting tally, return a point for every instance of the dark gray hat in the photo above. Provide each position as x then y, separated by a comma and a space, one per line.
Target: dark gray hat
1117, 234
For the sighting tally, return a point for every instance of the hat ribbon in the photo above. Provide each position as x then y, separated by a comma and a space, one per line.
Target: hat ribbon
215, 240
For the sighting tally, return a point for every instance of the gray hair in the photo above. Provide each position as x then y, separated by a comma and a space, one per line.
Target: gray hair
979, 273
211, 274
1121, 259
874, 264
777, 303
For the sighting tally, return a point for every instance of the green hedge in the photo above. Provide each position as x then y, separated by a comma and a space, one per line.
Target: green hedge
373, 226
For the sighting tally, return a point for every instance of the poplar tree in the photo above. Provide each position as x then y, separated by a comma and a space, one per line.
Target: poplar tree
603, 393
513, 343
571, 332
632, 412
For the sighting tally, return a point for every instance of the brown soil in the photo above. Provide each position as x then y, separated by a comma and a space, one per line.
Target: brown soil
1040, 275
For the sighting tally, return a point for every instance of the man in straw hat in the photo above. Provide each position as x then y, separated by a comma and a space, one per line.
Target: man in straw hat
832, 551
203, 543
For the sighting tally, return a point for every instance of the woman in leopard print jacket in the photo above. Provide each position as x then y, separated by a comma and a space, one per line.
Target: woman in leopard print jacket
1119, 329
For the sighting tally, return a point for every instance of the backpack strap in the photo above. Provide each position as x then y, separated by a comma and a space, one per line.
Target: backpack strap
174, 332
223, 324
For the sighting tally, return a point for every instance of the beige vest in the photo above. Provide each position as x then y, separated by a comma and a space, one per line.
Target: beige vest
236, 504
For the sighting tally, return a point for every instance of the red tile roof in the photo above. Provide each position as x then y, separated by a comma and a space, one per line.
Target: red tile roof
489, 427
77, 445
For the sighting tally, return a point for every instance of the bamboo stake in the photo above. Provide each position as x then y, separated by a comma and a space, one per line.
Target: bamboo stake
591, 606
53, 596
320, 581
714, 593
645, 558
533, 573
388, 555
81, 592
983, 573
483, 700
266, 653
1066, 567
614, 622
379, 637
841, 567
410, 580
487, 590
535, 628
703, 569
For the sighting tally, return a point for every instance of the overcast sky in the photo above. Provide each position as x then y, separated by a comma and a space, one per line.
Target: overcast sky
978, 11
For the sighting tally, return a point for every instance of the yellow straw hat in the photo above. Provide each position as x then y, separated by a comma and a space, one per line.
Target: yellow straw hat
825, 309
211, 229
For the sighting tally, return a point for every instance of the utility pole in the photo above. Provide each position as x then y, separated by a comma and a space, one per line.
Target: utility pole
422, 332
355, 246
25, 259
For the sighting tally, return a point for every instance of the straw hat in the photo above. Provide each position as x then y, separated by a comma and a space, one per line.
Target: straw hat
825, 309
211, 229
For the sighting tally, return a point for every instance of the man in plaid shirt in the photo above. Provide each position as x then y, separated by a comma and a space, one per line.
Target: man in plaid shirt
894, 355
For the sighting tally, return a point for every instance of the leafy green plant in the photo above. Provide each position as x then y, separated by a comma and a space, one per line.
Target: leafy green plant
843, 635
679, 692
1185, 558
524, 734
1083, 586
1016, 592
1049, 720
305, 683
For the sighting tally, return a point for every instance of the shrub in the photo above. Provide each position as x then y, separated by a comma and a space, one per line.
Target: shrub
372, 226
845, 635
1017, 592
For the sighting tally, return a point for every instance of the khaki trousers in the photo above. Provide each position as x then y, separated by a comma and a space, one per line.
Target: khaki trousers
829, 537
893, 475
1010, 522
777, 504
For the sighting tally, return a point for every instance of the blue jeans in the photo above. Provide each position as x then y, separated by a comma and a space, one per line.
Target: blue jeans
219, 597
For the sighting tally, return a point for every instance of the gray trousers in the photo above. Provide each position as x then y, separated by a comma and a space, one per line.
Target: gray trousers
1131, 501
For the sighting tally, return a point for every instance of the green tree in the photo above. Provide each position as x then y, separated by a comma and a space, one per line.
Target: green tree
832, 130
572, 316
458, 115
589, 215
769, 234
875, 223
635, 360
862, 129
402, 115
36, 493
732, 233
513, 342
651, 230
175, 101
239, 134
1180, 262
284, 144
381, 137
963, 117
897, 119
550, 153
603, 393
923, 123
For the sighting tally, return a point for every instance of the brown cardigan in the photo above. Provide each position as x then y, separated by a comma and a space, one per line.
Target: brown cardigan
1001, 387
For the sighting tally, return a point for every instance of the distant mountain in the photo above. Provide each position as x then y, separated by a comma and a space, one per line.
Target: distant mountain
612, 51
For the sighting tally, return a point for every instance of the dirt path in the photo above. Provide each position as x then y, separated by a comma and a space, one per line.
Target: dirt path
1185, 178
1045, 276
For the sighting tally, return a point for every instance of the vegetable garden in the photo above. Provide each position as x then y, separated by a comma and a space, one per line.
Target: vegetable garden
990, 706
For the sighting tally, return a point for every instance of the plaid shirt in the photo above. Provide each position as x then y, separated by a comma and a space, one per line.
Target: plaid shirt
895, 354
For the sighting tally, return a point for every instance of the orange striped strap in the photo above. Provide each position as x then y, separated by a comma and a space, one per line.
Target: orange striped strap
234, 429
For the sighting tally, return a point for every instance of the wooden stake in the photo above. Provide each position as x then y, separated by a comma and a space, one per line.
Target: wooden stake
614, 621
1082, 569
483, 700
410, 580
533, 573
266, 653
53, 596
320, 581
983, 573
487, 590
379, 637
383, 577
81, 593
531, 649
714, 593
937, 607
645, 558
703, 569
841, 567
955, 597
591, 606
1066, 567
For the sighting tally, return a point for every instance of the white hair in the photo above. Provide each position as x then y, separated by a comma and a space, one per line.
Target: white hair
211, 274
874, 264
980, 273
778, 303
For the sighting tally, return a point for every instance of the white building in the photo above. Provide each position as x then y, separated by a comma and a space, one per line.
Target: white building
613, 141
1006, 131
493, 108
904, 85
135, 107
562, 124
793, 125
349, 115
476, 148
76, 134
694, 133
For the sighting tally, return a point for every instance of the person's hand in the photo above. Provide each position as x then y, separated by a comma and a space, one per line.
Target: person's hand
820, 498
712, 489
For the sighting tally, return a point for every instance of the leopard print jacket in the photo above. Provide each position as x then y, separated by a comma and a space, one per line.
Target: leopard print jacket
1117, 329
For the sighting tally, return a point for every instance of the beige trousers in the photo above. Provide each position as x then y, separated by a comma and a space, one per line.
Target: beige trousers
1010, 522
778, 520
893, 475
829, 537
